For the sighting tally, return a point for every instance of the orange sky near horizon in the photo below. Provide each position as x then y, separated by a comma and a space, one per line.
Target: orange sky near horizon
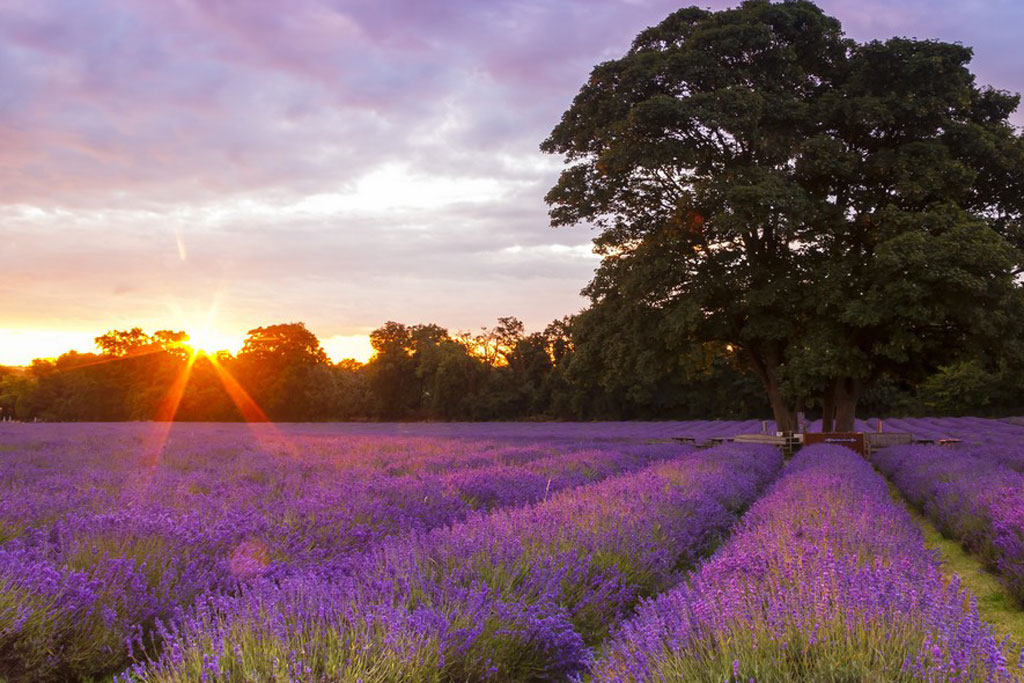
19, 347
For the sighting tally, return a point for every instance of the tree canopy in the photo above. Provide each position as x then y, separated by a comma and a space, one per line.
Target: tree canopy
831, 212
615, 360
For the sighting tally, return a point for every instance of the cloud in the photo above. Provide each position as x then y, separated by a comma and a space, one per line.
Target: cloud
339, 162
123, 102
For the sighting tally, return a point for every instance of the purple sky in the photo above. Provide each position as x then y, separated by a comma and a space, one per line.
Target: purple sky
340, 163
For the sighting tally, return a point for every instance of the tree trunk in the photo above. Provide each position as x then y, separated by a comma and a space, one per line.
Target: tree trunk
846, 395
785, 416
828, 407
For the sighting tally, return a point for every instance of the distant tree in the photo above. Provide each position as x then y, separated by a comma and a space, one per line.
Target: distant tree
507, 335
452, 380
352, 400
392, 371
173, 343
627, 362
430, 350
286, 371
423, 371
122, 343
558, 338
282, 344
964, 388
980, 385
391, 337
76, 387
16, 389
205, 397
832, 211
487, 347
424, 337
615, 360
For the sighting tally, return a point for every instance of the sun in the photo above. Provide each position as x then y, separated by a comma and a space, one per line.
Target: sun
202, 326
208, 342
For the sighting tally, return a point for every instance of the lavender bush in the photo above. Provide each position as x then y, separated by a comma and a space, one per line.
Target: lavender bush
827, 579
516, 595
971, 496
101, 542
1002, 440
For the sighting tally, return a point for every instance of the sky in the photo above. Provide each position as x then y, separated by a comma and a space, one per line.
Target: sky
218, 165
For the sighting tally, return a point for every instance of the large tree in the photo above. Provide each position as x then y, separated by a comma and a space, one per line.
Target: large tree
830, 211
286, 371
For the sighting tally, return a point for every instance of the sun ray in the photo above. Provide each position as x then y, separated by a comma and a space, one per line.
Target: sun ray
260, 425
103, 359
155, 442
168, 407
250, 410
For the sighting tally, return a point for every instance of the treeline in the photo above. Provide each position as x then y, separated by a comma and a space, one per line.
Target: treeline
600, 364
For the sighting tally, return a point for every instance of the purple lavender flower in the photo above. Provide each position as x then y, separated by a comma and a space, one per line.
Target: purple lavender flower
517, 594
972, 495
108, 532
826, 579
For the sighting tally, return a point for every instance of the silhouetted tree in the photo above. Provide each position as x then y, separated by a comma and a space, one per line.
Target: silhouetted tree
286, 372
352, 398
123, 343
392, 371
833, 211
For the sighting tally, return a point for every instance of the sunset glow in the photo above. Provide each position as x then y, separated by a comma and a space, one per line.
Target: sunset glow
511, 340
212, 341
357, 163
21, 347
354, 346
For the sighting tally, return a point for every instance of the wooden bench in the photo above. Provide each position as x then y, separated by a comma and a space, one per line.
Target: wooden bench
877, 440
787, 442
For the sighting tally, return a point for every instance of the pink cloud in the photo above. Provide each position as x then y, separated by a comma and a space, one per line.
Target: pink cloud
123, 121
181, 101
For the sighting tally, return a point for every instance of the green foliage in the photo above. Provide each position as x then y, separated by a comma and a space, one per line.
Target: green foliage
630, 362
833, 211
285, 370
961, 388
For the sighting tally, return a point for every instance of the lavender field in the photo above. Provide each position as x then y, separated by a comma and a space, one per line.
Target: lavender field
496, 552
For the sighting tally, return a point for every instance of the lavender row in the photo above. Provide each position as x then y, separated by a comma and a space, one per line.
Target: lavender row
49, 470
516, 595
700, 429
827, 579
970, 496
204, 467
106, 466
1002, 440
76, 590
